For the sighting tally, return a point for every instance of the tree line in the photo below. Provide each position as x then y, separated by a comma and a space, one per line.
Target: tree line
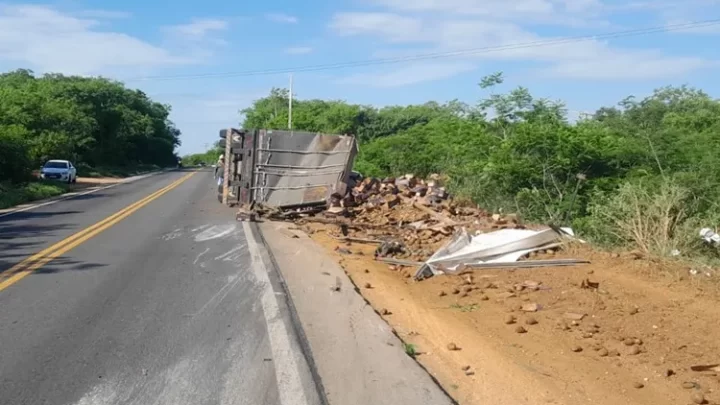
208, 157
93, 122
643, 172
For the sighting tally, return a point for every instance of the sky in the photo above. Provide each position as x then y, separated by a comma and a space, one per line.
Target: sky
197, 55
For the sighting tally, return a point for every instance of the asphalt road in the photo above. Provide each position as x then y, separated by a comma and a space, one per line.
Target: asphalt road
166, 306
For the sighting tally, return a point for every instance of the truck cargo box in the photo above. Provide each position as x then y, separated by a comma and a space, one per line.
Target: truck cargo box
289, 168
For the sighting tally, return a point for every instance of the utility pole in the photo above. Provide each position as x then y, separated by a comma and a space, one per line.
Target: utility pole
290, 103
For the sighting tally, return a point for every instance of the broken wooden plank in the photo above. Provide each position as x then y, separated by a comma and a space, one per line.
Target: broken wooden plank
356, 240
399, 261
288, 233
528, 264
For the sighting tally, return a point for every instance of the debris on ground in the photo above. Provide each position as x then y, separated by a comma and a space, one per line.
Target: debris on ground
289, 233
575, 316
488, 250
416, 223
698, 398
618, 322
337, 286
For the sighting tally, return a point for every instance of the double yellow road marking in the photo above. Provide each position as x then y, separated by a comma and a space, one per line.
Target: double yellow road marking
36, 261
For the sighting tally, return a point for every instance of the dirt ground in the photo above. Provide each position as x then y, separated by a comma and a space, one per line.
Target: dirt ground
98, 180
645, 325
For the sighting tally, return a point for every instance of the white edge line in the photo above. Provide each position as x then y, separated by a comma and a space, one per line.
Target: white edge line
71, 195
287, 373
61, 198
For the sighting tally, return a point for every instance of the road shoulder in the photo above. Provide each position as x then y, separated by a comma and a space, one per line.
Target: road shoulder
358, 358
84, 186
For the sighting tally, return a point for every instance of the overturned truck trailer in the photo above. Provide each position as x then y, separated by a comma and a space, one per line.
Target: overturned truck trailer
285, 169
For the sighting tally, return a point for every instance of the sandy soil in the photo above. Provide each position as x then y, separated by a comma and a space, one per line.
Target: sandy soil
99, 180
645, 325
85, 182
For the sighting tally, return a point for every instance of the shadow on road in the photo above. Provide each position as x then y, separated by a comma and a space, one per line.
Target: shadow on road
24, 234
61, 264
193, 169
88, 196
57, 265
22, 216
20, 226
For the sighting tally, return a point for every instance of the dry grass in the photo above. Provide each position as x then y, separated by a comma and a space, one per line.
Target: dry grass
646, 217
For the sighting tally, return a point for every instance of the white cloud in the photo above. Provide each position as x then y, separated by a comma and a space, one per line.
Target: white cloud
199, 38
393, 27
47, 40
199, 28
298, 50
628, 66
202, 114
508, 41
700, 29
442, 33
676, 13
410, 74
560, 12
479, 7
281, 18
103, 14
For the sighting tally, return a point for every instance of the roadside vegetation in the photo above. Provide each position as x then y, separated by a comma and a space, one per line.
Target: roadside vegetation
15, 194
641, 174
101, 126
209, 157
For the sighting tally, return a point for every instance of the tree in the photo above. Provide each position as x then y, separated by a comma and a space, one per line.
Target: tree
516, 152
91, 121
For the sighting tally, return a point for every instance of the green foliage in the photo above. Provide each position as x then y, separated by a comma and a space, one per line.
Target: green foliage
14, 194
511, 151
410, 349
338, 117
646, 213
91, 121
14, 154
84, 170
209, 157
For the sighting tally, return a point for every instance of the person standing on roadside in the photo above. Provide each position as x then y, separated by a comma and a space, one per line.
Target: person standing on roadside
220, 173
220, 167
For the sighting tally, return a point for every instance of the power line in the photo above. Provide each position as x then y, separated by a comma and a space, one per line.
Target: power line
439, 55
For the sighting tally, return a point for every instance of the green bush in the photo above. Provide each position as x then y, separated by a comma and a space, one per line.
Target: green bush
15, 165
92, 121
655, 215
643, 174
85, 170
209, 157
14, 194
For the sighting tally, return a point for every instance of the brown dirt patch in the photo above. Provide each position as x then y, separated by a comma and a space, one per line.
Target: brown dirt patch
84, 183
646, 324
99, 180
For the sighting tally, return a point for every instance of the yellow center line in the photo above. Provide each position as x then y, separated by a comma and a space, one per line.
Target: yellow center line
36, 261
